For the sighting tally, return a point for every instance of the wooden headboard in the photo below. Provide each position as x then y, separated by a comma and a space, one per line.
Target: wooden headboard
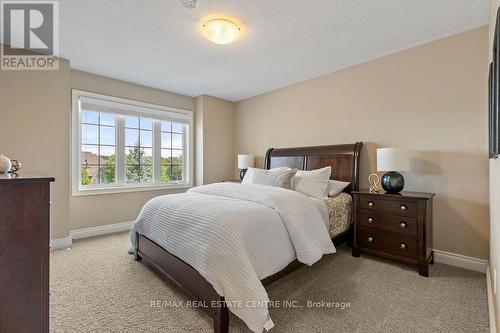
344, 160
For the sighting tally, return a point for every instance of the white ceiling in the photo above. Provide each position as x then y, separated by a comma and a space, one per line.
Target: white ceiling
157, 42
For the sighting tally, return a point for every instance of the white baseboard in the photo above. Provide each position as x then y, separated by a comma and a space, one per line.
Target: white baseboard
100, 230
458, 260
491, 306
61, 243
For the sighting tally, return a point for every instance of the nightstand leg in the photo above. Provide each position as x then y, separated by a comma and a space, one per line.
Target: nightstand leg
423, 270
350, 236
355, 252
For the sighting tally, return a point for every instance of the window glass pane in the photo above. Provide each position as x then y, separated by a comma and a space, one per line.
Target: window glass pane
90, 117
90, 154
132, 173
107, 172
176, 156
146, 139
177, 152
132, 122
146, 174
98, 148
107, 135
89, 134
176, 140
106, 153
177, 128
166, 126
147, 156
107, 119
176, 172
139, 173
131, 137
165, 156
166, 140
165, 170
146, 123
133, 156
89, 174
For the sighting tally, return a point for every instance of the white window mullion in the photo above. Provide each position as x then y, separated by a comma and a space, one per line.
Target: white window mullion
185, 152
120, 149
79, 145
157, 151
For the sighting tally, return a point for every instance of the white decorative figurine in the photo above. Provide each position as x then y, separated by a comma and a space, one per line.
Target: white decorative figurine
5, 164
373, 179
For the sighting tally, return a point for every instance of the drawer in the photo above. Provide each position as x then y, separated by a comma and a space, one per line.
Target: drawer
388, 242
392, 205
397, 223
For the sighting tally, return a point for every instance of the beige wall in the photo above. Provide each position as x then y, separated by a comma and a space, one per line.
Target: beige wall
215, 158
34, 128
494, 191
97, 210
430, 99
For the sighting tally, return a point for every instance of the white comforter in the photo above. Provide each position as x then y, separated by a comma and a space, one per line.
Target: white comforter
235, 235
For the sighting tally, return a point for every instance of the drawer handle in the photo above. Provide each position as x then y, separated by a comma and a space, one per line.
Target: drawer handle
403, 207
402, 225
370, 220
402, 246
370, 239
370, 203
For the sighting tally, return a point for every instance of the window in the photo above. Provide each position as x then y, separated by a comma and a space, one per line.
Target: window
121, 145
138, 150
98, 148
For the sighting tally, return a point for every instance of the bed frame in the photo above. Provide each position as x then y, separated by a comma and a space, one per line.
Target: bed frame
344, 160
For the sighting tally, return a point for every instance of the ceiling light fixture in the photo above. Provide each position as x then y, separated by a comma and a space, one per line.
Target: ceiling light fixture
221, 31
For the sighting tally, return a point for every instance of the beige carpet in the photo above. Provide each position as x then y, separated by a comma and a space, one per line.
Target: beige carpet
97, 287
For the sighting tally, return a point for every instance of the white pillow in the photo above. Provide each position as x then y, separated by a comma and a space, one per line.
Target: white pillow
313, 183
248, 178
335, 187
281, 177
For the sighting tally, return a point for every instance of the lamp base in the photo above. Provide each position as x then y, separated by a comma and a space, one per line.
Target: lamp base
242, 173
393, 182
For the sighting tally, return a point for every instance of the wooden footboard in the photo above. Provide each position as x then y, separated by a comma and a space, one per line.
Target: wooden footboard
194, 285
186, 278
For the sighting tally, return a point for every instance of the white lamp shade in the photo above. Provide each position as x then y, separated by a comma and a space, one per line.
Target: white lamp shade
246, 161
392, 159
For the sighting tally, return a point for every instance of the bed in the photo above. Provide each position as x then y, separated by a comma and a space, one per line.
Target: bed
214, 255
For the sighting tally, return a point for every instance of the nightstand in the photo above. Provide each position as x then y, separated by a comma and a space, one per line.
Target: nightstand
394, 226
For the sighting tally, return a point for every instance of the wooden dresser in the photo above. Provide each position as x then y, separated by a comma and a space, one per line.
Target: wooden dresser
394, 226
24, 253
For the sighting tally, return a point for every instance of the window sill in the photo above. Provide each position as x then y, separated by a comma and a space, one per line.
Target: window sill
129, 189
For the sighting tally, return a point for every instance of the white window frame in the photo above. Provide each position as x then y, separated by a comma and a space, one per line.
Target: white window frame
158, 112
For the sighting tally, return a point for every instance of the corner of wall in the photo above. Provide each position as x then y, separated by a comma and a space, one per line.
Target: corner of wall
215, 157
198, 134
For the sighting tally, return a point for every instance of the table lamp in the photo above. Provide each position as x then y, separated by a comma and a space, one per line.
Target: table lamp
245, 162
393, 160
